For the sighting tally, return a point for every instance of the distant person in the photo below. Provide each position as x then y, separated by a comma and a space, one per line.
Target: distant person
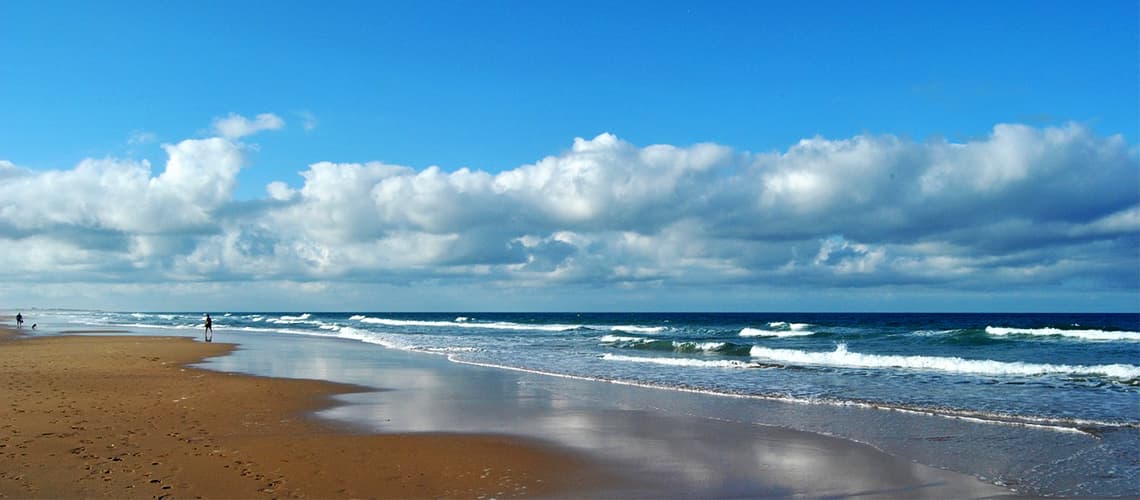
209, 329
19, 320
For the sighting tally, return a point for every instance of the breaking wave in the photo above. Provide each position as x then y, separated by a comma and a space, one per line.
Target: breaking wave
1058, 332
841, 357
678, 346
637, 329
467, 323
688, 362
756, 332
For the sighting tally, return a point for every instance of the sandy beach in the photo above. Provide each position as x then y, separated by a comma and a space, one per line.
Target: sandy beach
122, 417
125, 417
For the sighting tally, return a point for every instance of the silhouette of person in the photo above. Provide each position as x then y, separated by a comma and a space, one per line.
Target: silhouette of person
19, 320
209, 329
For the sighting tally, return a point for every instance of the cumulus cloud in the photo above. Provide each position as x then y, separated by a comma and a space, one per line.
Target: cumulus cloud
234, 126
279, 191
122, 197
1023, 207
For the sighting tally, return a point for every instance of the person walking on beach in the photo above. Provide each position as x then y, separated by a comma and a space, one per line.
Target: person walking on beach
19, 320
209, 329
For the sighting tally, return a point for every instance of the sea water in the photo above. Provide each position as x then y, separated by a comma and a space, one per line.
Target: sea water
1071, 380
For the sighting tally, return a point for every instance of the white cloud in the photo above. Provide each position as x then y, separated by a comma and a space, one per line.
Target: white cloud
234, 126
1024, 207
121, 195
280, 191
308, 121
140, 137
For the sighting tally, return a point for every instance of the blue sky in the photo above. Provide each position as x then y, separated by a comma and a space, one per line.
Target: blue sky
497, 87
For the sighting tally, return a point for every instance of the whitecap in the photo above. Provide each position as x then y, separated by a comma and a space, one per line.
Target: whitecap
637, 329
784, 325
1055, 332
610, 339
756, 332
841, 357
699, 346
688, 362
294, 320
468, 324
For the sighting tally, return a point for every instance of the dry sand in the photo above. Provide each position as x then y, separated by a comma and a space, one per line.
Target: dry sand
124, 417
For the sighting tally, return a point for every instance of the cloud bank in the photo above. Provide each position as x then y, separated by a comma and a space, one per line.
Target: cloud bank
1023, 208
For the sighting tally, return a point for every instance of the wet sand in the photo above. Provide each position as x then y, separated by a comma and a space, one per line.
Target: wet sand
123, 417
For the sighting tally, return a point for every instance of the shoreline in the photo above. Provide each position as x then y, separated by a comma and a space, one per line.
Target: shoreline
124, 416
424, 438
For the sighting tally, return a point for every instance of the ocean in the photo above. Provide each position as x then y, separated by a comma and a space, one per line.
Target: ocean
1068, 381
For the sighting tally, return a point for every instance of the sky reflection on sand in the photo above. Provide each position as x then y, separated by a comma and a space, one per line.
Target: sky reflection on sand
639, 431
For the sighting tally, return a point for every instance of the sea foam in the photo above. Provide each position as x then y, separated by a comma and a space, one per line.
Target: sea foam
782, 325
610, 339
294, 320
348, 332
756, 332
841, 357
637, 329
1054, 332
499, 325
687, 362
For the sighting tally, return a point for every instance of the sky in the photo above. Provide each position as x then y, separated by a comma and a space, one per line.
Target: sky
570, 156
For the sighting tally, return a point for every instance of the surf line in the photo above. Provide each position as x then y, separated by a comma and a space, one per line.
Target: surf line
803, 401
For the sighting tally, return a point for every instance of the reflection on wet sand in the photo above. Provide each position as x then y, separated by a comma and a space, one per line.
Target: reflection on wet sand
663, 451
